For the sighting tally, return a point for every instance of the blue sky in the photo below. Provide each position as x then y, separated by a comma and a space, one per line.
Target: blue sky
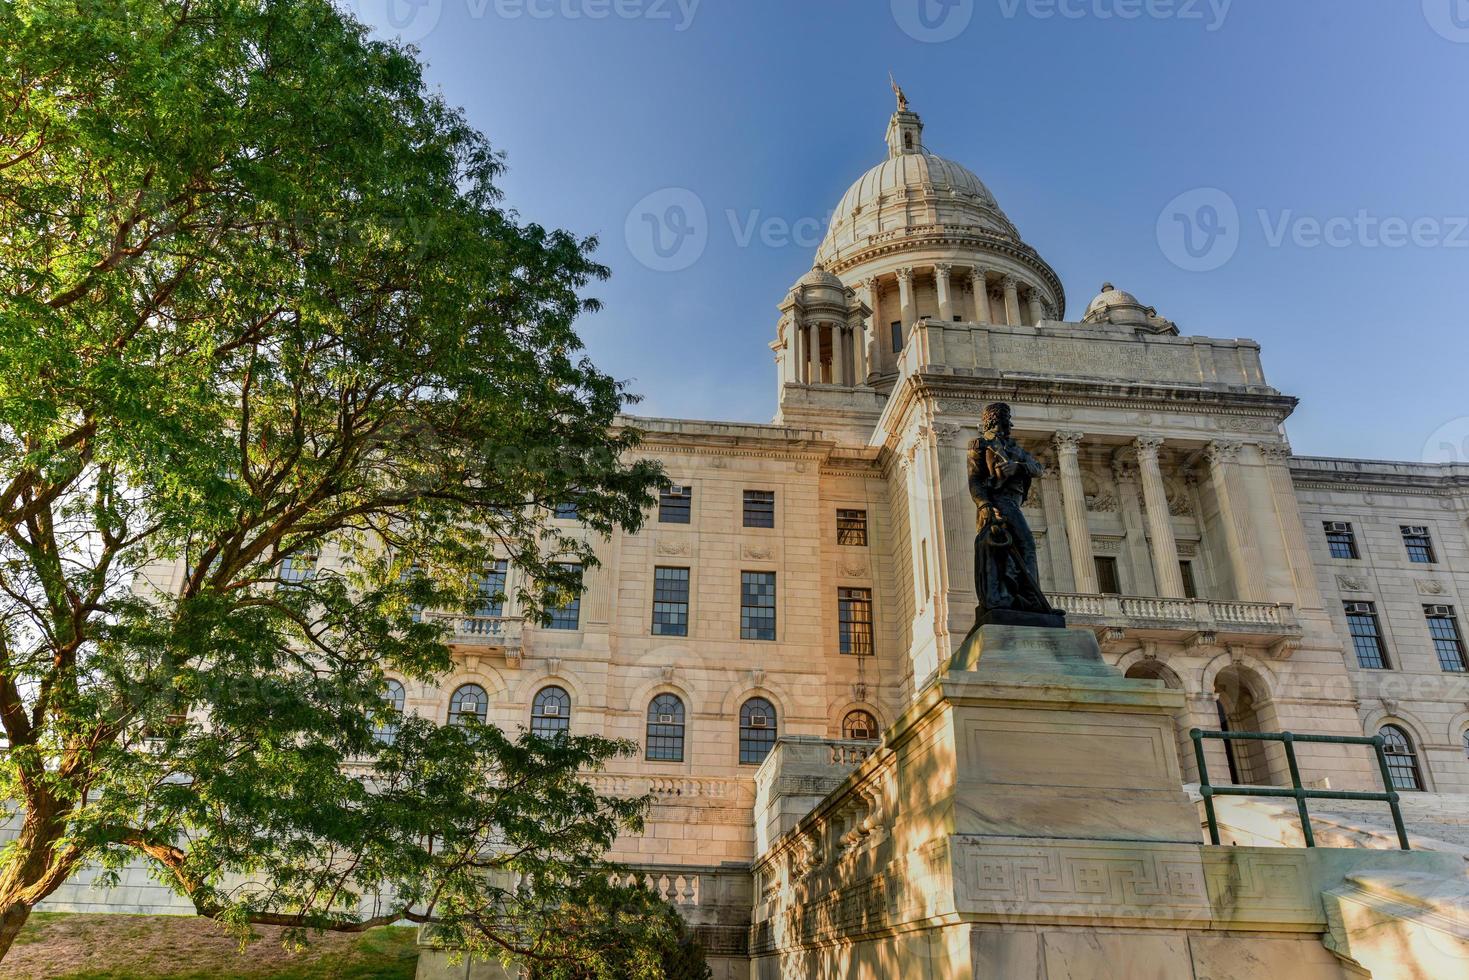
1334, 128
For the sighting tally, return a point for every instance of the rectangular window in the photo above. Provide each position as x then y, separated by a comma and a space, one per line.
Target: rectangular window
298, 569
1366, 635
1107, 581
1419, 545
675, 505
491, 588
854, 617
757, 605
565, 511
1340, 540
759, 508
896, 327
568, 617
1443, 626
670, 602
852, 528
958, 318
1190, 588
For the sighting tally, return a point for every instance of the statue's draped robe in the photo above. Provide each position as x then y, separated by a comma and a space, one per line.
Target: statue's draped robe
1006, 575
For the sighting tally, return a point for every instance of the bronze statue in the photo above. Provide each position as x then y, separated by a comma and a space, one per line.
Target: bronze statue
1006, 576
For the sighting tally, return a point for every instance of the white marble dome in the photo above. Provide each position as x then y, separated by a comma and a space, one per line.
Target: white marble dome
1112, 298
910, 190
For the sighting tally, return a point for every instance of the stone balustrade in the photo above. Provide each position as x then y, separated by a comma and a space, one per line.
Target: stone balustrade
1269, 622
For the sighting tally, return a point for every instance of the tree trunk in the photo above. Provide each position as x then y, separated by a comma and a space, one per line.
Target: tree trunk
35, 867
12, 919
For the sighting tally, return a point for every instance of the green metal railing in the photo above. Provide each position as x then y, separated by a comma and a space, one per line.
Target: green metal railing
1297, 792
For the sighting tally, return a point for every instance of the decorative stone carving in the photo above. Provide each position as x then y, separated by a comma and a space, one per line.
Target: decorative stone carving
673, 547
1430, 587
1351, 583
1219, 452
759, 553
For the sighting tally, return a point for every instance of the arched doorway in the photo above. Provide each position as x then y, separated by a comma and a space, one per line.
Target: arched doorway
1241, 698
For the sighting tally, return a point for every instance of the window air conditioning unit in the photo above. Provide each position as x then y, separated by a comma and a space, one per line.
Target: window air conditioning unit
666, 720
759, 721
1338, 527
678, 491
1415, 530
1438, 610
551, 710
861, 733
1360, 607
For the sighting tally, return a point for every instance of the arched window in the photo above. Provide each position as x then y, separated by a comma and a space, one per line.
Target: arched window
550, 714
860, 725
757, 731
386, 729
469, 703
1402, 761
1466, 743
665, 729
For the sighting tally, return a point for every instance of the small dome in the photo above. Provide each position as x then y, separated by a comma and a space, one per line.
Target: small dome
820, 277
1118, 306
1111, 298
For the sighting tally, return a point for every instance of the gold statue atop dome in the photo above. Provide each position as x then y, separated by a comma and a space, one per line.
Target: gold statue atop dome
898, 91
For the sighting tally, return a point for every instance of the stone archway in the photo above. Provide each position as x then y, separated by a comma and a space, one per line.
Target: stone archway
1156, 670
1243, 699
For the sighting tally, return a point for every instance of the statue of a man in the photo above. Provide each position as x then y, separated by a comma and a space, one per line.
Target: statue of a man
1006, 576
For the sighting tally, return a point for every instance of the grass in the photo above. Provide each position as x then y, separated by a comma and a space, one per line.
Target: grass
62, 946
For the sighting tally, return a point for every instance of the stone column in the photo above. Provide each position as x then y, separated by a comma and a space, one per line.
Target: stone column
1037, 310
1160, 525
871, 352
1011, 287
946, 302
842, 353
798, 350
1073, 501
1056, 547
905, 301
1234, 512
1292, 527
859, 354
1135, 535
813, 354
981, 289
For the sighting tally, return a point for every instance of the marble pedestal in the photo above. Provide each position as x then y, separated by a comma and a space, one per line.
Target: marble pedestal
1025, 818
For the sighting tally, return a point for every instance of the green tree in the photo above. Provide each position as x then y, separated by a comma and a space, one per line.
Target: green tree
259, 302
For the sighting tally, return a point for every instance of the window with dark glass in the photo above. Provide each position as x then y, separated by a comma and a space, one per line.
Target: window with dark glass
1341, 541
859, 726
854, 621
675, 505
1402, 760
298, 569
385, 730
550, 713
665, 729
670, 602
852, 528
1190, 588
1419, 544
1366, 635
468, 703
490, 587
757, 605
1448, 642
896, 327
1108, 582
565, 511
757, 731
759, 508
568, 615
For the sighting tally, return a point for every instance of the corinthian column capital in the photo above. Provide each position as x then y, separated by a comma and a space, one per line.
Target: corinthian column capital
1148, 447
1067, 441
